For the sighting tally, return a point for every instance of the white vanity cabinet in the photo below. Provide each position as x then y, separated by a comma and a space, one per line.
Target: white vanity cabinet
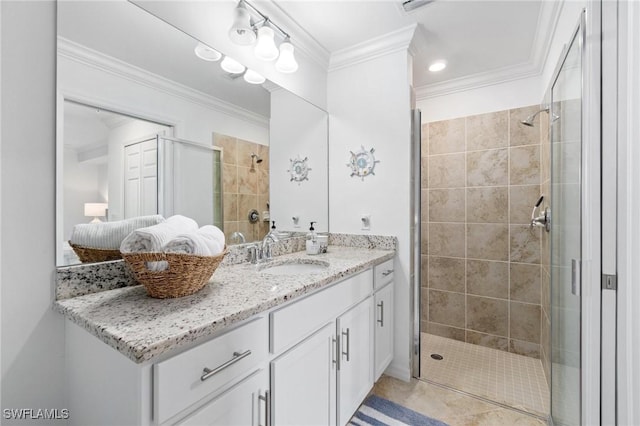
383, 323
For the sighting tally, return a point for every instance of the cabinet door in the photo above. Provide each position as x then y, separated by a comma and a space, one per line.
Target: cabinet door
243, 405
304, 382
355, 377
383, 329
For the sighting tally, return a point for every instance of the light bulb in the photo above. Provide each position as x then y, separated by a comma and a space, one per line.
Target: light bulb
206, 53
241, 32
265, 47
253, 77
231, 65
438, 65
286, 62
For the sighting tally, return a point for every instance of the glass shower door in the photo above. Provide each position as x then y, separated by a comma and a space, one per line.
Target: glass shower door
566, 226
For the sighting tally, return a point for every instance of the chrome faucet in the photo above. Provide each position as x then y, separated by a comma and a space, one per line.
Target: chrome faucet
262, 252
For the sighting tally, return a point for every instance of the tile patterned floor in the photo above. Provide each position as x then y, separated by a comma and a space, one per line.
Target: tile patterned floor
506, 378
453, 408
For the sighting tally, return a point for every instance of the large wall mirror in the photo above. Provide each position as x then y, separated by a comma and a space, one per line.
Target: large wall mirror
147, 125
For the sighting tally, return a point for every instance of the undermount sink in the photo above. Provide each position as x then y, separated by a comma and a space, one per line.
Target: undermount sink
294, 267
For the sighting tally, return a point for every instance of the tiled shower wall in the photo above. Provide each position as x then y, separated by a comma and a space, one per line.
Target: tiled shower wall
545, 249
243, 189
481, 274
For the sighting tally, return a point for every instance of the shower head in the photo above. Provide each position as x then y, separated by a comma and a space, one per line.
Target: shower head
529, 120
256, 157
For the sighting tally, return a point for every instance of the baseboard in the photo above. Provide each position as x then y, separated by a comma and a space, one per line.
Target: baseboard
398, 372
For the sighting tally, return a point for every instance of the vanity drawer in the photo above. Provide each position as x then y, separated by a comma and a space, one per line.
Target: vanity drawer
383, 273
178, 381
292, 323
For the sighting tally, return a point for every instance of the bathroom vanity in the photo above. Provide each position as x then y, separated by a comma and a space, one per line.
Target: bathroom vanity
254, 347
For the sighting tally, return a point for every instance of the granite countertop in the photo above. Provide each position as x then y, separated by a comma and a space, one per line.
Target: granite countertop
143, 328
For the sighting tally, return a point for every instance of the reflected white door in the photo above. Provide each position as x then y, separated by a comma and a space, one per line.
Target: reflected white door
141, 179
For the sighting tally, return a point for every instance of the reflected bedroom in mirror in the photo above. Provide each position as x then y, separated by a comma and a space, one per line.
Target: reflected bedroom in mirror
149, 125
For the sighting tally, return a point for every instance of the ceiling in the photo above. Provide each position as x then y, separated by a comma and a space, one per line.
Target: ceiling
474, 37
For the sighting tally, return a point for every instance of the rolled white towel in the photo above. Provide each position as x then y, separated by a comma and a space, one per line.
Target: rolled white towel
109, 235
206, 241
153, 238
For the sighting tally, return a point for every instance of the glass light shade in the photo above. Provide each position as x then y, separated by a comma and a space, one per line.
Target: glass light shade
286, 62
265, 47
241, 31
253, 77
232, 66
206, 53
95, 210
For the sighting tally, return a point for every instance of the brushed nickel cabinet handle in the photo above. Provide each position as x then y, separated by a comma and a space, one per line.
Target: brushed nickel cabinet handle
387, 272
381, 306
267, 404
237, 356
346, 334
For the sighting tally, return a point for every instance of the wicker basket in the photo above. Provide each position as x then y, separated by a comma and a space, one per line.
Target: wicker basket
185, 274
90, 255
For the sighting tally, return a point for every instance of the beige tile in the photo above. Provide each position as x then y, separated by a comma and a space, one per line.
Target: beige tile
521, 201
519, 134
446, 136
488, 168
424, 238
487, 205
488, 241
263, 200
247, 181
230, 179
447, 205
524, 165
230, 206
446, 171
485, 278
424, 304
424, 270
525, 244
487, 315
424, 140
487, 131
524, 348
545, 292
229, 228
488, 341
545, 249
446, 273
446, 239
263, 152
424, 172
524, 322
249, 230
525, 282
229, 148
424, 205
263, 182
446, 308
245, 204
445, 331
245, 149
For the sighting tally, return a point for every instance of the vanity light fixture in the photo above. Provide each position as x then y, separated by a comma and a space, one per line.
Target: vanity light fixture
245, 31
242, 32
232, 66
252, 77
206, 53
286, 61
438, 65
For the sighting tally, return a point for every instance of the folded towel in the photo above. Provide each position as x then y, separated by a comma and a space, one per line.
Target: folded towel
206, 241
109, 235
153, 238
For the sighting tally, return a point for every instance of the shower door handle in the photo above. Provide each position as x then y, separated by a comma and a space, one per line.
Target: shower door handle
575, 277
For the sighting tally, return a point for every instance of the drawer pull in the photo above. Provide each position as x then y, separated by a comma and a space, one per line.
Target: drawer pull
346, 334
381, 306
237, 356
267, 410
387, 272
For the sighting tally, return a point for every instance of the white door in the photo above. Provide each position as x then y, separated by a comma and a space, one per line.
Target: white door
383, 326
132, 177
355, 378
245, 404
141, 179
304, 382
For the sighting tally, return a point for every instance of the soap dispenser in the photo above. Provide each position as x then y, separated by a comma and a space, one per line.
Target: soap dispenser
313, 246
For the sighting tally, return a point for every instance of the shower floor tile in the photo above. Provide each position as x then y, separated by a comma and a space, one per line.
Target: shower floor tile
506, 378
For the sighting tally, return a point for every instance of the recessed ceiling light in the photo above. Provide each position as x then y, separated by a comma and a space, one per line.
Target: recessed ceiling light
208, 54
438, 65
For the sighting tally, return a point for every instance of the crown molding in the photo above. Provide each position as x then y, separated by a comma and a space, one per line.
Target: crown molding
92, 58
547, 23
371, 49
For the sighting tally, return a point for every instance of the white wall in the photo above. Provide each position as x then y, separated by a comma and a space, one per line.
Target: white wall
81, 185
369, 104
305, 135
32, 343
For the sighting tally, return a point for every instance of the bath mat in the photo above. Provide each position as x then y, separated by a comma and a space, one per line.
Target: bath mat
376, 411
